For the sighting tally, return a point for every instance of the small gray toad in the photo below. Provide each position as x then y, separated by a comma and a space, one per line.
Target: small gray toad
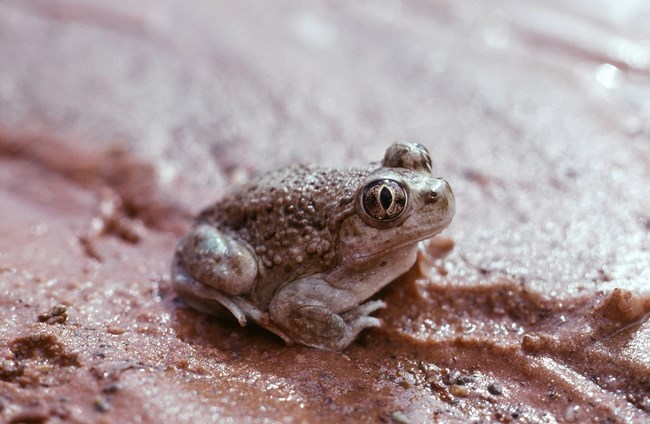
298, 250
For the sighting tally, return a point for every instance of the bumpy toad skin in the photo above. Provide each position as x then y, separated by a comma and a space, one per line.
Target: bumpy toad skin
299, 250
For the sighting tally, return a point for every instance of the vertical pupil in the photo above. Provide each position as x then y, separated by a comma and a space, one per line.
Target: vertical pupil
385, 198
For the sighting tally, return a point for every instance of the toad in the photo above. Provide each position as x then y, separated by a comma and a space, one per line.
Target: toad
300, 250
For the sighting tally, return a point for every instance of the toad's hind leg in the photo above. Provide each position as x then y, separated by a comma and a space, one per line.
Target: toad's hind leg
210, 269
204, 298
217, 260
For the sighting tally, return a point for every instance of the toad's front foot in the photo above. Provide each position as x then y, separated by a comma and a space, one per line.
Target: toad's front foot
361, 312
317, 326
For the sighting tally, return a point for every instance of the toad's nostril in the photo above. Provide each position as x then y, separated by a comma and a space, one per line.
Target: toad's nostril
432, 197
439, 193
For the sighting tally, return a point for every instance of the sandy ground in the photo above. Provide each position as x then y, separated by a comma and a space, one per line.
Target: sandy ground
120, 121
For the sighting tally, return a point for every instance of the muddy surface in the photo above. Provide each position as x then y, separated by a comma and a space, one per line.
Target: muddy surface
119, 121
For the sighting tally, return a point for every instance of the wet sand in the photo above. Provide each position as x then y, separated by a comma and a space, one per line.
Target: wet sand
118, 122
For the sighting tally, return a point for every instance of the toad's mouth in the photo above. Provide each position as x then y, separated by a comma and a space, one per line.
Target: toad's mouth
361, 257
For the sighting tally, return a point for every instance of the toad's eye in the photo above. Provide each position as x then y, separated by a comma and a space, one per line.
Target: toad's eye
384, 200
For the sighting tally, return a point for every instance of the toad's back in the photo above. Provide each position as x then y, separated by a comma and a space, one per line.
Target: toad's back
290, 217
